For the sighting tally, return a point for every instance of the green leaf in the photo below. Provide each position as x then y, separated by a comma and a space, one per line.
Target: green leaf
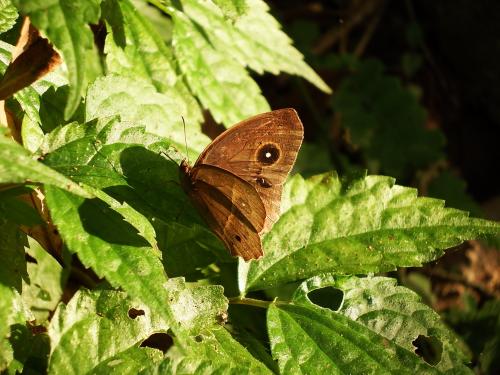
196, 307
104, 242
65, 23
135, 49
232, 9
254, 40
46, 281
16, 166
220, 83
188, 249
139, 182
108, 328
394, 312
131, 361
13, 268
214, 352
386, 121
13, 319
480, 329
312, 340
12, 271
7, 300
17, 210
106, 157
367, 225
111, 156
137, 102
8, 15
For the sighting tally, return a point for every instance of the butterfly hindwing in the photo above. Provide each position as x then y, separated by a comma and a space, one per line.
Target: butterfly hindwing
231, 207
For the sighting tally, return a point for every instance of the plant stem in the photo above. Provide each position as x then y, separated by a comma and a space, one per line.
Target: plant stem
250, 302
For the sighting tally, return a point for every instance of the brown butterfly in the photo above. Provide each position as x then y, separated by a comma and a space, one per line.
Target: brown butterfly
237, 180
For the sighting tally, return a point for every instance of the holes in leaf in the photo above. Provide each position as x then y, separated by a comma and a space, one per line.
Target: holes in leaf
198, 338
160, 340
429, 348
327, 297
134, 313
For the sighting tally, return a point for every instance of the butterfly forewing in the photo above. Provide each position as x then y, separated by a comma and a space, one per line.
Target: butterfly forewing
261, 150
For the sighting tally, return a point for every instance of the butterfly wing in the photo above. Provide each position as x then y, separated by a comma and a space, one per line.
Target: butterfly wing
261, 150
231, 207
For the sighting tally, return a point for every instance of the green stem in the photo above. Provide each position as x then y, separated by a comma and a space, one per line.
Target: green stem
250, 302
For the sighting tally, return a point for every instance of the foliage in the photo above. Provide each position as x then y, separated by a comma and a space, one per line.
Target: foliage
90, 196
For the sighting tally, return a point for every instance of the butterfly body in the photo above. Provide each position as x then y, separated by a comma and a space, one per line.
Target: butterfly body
237, 180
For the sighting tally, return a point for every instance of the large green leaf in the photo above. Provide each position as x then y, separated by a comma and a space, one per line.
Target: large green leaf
137, 101
366, 225
395, 312
220, 83
17, 166
128, 169
311, 340
65, 23
134, 48
124, 167
104, 242
109, 326
255, 39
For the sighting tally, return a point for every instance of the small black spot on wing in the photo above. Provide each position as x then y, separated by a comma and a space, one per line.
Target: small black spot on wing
238, 238
261, 181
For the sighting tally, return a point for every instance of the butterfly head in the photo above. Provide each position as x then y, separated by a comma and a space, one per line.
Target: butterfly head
185, 175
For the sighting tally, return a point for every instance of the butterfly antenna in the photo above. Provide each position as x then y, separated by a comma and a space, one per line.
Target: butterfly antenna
185, 139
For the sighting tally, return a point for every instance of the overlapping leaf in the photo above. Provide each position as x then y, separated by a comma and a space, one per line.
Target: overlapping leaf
128, 169
395, 312
104, 242
137, 102
134, 48
65, 23
109, 327
367, 225
221, 84
254, 40
312, 340
17, 166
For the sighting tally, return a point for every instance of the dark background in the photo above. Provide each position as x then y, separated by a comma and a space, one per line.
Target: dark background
446, 54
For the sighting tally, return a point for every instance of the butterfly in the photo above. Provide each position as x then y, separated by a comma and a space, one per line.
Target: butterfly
237, 181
